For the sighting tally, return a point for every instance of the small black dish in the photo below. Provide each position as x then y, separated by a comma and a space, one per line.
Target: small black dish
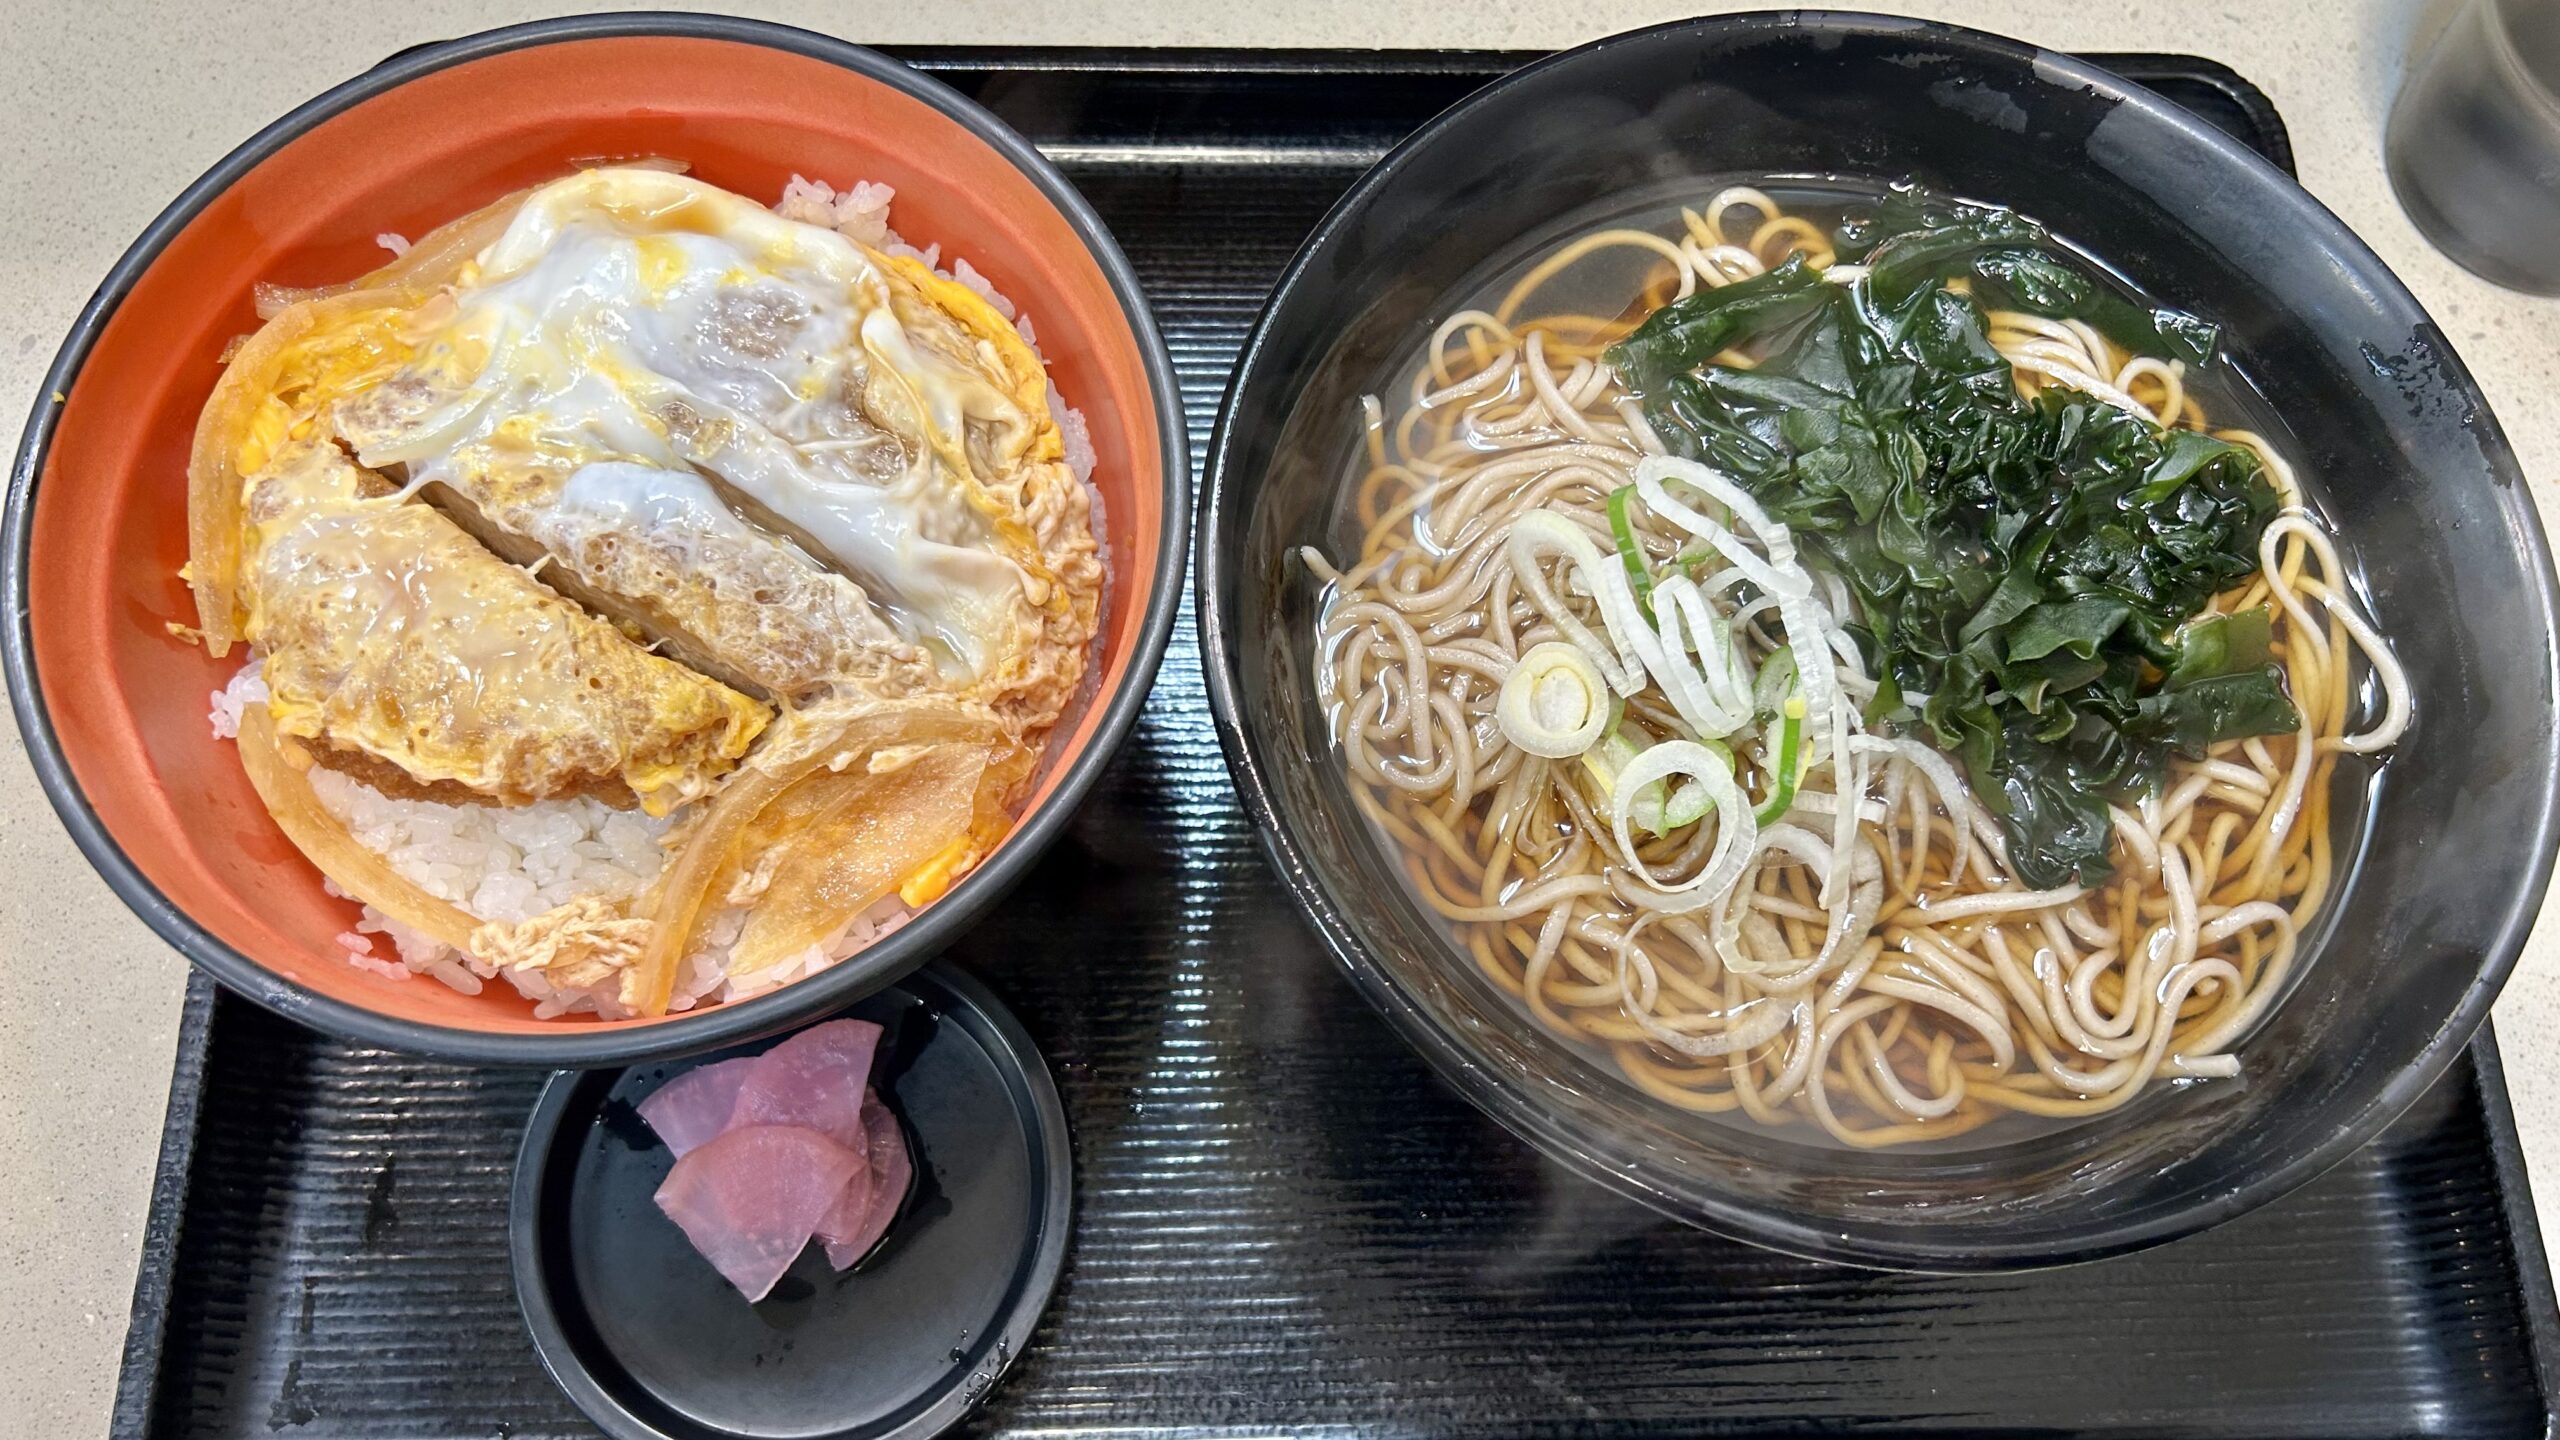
653, 1344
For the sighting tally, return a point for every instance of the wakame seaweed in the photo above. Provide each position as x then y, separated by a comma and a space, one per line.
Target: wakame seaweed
2026, 570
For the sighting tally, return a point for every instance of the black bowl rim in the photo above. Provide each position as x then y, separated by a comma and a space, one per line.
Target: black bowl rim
577, 1044
950, 992
1222, 508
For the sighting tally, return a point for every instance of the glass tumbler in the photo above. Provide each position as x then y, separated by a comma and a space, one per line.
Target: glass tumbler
2473, 145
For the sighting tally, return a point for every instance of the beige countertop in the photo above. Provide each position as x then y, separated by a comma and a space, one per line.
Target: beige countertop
111, 107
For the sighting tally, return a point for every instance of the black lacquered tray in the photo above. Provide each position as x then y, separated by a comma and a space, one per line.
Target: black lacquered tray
1284, 1225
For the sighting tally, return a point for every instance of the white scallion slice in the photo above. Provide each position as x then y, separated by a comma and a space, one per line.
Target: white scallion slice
1539, 533
1614, 753
1709, 767
1554, 703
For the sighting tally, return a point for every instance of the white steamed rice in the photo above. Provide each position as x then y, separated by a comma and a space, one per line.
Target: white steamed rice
513, 863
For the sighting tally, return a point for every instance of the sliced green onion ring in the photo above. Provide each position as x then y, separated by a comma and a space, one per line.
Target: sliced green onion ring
1687, 806
1777, 573
1541, 533
1630, 551
1782, 789
1554, 703
1775, 682
1615, 752
1737, 832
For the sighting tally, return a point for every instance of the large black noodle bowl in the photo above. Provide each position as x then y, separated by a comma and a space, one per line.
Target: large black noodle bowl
2446, 875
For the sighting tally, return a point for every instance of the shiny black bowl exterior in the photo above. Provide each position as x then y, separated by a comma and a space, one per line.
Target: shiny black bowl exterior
2447, 875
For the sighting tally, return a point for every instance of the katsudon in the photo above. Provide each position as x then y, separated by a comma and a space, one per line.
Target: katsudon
648, 597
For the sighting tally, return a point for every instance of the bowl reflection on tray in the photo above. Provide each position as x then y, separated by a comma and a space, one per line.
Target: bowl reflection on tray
2399, 964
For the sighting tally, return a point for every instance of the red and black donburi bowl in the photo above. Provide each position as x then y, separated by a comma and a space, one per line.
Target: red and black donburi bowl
113, 708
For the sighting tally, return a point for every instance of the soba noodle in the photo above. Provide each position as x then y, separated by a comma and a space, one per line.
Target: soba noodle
1875, 969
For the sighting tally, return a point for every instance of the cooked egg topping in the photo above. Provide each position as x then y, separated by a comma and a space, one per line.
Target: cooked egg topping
389, 634
708, 353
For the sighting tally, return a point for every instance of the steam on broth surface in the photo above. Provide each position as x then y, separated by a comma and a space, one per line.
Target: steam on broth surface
1849, 662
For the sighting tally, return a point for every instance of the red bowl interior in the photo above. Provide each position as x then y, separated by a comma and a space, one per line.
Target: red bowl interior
108, 529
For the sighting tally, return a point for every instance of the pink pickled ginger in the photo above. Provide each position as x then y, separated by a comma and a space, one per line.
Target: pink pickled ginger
750, 1199
695, 1106
849, 1237
816, 1078
777, 1149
